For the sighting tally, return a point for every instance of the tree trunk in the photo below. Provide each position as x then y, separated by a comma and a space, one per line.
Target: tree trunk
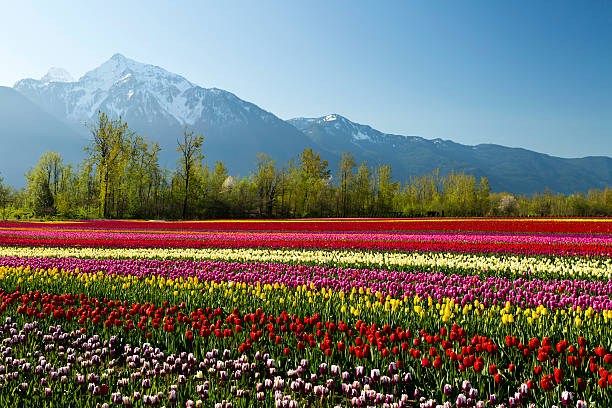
186, 194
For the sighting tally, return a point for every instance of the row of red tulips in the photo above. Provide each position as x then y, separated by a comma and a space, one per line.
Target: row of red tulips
560, 225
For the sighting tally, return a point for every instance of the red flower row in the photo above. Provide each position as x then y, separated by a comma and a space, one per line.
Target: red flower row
592, 226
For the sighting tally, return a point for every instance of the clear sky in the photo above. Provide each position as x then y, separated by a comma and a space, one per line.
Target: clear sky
533, 74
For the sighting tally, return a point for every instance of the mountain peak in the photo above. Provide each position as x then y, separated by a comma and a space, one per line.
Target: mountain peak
158, 103
119, 68
338, 125
330, 118
57, 75
118, 57
333, 117
143, 92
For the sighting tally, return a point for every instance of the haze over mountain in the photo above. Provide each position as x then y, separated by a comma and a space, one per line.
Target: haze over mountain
26, 132
160, 104
507, 169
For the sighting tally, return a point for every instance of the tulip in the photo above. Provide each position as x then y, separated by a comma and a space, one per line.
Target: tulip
566, 397
359, 371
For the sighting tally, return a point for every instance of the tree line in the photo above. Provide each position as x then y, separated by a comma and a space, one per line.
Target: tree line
121, 178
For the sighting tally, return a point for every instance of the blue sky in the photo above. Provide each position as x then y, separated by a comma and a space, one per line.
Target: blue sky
533, 74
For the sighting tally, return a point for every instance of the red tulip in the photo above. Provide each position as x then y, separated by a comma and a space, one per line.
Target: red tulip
437, 362
546, 383
558, 375
603, 382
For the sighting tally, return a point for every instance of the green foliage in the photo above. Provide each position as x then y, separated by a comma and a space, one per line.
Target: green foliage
266, 183
5, 197
347, 180
43, 201
363, 184
190, 160
122, 178
109, 153
313, 174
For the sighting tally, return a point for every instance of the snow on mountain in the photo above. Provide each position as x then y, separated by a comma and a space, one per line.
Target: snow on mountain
159, 104
119, 69
57, 75
507, 169
330, 118
340, 127
122, 86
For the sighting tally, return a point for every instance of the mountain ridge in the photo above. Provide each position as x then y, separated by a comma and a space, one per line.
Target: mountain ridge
24, 133
159, 104
503, 166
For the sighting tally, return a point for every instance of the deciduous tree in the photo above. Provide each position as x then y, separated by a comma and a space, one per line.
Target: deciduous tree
190, 156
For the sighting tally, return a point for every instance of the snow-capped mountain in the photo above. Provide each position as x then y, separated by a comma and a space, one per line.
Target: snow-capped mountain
508, 169
336, 123
122, 86
160, 104
337, 126
57, 75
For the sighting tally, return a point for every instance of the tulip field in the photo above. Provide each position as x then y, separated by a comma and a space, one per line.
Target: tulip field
307, 313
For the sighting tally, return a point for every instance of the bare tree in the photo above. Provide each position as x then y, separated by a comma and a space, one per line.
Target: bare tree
190, 150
